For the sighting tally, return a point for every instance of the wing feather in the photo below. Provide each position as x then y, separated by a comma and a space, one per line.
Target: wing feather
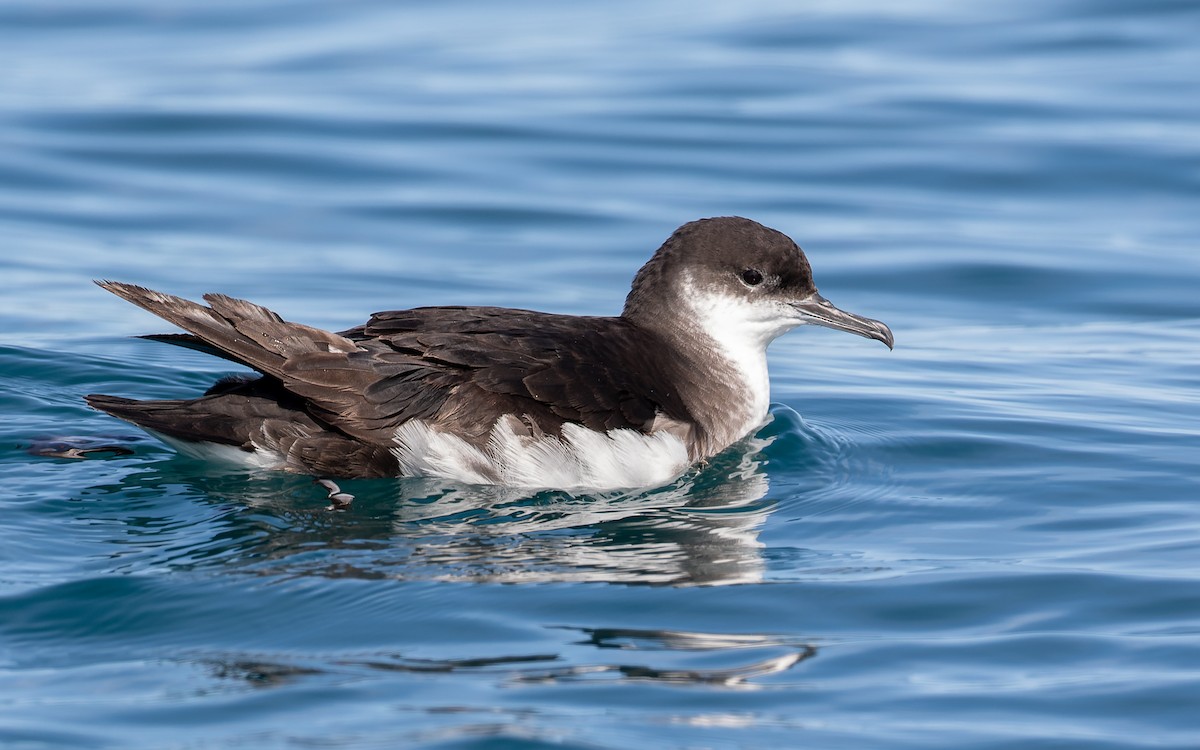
462, 367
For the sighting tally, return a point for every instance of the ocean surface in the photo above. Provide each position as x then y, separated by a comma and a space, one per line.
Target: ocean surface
988, 538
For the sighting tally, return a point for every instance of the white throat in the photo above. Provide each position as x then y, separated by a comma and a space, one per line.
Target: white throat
741, 330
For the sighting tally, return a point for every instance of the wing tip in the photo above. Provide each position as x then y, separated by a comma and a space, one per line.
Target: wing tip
131, 292
114, 286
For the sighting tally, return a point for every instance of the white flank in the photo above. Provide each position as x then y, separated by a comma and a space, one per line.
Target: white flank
226, 454
580, 459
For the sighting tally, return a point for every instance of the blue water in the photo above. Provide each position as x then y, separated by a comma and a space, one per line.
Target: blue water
988, 538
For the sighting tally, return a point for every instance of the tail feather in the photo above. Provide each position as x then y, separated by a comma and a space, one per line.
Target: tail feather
257, 431
170, 418
313, 376
243, 331
188, 341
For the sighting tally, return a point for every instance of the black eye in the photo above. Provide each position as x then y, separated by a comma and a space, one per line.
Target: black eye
752, 276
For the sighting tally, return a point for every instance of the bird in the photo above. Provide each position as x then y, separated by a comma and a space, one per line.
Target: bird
498, 396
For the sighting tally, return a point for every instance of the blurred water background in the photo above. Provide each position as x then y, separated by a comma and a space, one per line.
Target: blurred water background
987, 538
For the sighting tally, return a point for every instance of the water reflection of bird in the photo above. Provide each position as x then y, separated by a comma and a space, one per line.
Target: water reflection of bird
700, 530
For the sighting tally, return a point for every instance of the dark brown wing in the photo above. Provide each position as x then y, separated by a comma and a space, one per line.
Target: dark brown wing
463, 367
551, 369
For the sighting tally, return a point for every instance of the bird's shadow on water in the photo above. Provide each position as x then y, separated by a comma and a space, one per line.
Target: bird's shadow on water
700, 530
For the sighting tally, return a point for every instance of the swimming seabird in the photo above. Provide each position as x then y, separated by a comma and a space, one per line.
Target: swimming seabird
489, 395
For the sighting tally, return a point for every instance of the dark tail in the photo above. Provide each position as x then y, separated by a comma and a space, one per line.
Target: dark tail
179, 419
249, 418
279, 409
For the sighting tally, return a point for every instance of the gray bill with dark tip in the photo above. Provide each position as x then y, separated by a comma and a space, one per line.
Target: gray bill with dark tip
819, 311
